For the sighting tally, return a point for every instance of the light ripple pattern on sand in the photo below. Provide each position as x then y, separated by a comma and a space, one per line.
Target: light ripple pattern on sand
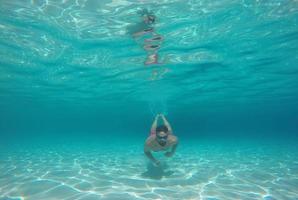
198, 171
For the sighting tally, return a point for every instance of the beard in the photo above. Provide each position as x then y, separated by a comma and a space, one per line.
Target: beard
162, 143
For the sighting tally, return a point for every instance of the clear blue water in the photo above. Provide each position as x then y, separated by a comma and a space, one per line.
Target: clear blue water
77, 100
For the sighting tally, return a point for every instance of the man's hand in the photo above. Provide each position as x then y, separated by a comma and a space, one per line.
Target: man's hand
168, 154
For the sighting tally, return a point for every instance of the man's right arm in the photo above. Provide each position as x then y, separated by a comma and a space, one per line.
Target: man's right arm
149, 154
154, 125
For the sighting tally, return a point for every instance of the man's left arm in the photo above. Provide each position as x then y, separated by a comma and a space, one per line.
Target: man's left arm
173, 150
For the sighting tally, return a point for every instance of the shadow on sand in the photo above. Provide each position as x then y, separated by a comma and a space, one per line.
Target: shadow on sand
157, 172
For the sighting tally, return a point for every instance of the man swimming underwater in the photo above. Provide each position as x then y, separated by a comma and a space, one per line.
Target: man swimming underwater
161, 139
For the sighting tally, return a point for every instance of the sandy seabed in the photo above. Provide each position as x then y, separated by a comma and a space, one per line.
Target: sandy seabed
198, 171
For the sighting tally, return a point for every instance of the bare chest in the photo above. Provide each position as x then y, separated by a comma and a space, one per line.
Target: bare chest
157, 147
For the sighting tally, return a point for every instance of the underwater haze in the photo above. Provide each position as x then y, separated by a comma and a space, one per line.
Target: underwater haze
81, 82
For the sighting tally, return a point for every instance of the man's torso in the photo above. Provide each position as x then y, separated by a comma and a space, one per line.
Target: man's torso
153, 145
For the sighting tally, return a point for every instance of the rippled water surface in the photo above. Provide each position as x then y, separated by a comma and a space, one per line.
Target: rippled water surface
80, 52
77, 99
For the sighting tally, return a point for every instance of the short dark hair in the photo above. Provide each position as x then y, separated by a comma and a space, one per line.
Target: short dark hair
162, 128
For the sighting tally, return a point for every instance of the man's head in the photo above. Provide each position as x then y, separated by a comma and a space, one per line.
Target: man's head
149, 19
148, 16
162, 134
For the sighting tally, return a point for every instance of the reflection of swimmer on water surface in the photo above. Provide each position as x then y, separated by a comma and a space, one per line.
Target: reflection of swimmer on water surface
145, 32
144, 26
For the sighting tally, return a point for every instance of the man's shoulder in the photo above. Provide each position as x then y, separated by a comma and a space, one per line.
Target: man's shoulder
149, 143
173, 138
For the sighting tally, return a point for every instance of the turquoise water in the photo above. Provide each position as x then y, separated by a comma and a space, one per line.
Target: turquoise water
77, 99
